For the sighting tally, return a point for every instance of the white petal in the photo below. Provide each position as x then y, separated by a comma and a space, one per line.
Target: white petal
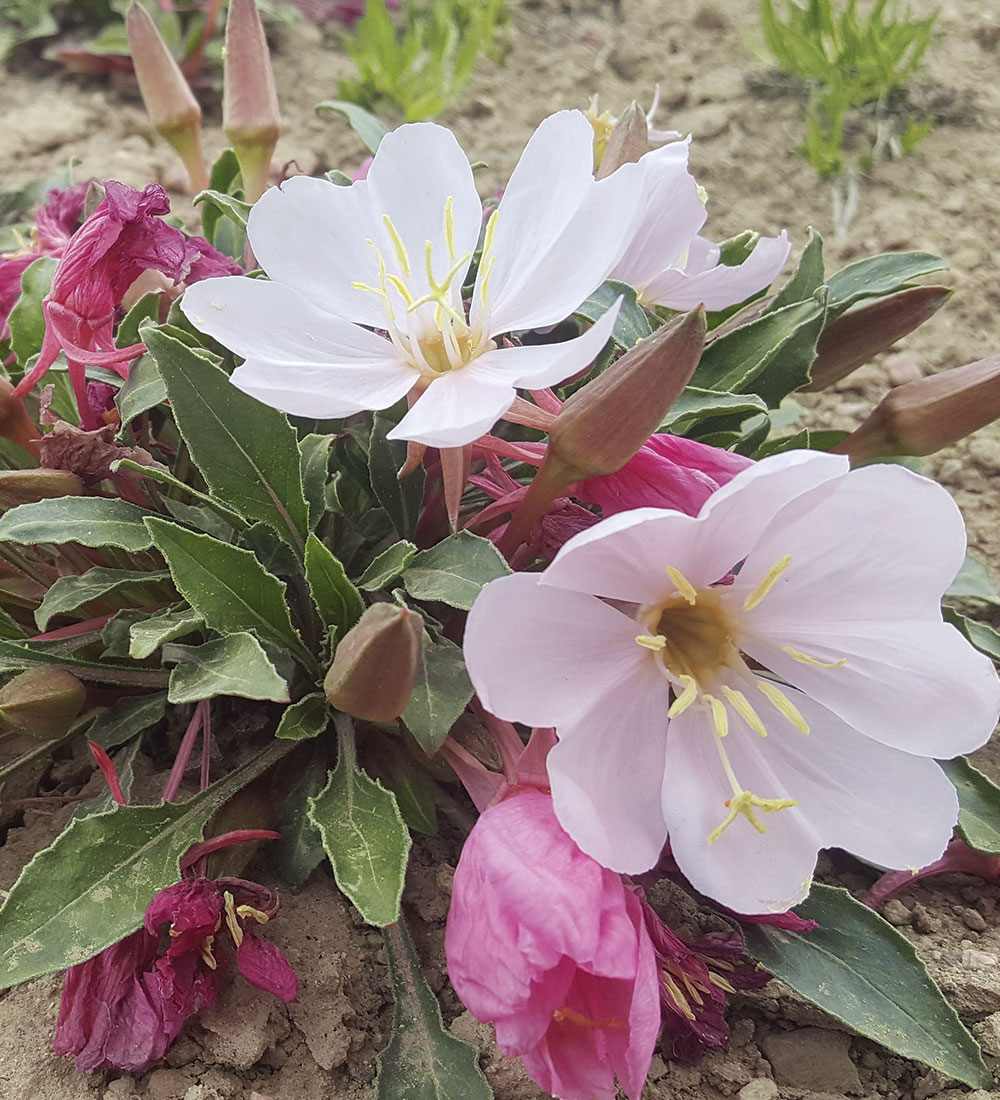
558, 231
723, 285
543, 656
456, 408
607, 774
309, 234
874, 517
670, 214
915, 685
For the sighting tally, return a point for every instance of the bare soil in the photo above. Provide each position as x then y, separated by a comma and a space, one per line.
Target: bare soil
746, 128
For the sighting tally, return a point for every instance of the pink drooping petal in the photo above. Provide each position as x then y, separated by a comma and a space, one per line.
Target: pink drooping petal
265, 966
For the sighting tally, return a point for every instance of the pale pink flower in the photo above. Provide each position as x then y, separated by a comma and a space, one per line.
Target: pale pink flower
552, 948
391, 252
666, 260
662, 682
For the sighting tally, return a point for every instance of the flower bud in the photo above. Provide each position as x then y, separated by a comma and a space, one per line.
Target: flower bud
627, 142
606, 422
41, 703
15, 424
860, 334
27, 486
376, 664
169, 101
250, 114
921, 417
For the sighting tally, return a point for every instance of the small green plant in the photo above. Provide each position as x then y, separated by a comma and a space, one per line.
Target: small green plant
423, 64
858, 58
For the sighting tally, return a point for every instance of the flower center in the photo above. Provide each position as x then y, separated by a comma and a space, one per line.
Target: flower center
424, 314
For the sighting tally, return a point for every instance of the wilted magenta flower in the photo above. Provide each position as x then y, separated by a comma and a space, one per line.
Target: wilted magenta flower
124, 237
552, 948
123, 1008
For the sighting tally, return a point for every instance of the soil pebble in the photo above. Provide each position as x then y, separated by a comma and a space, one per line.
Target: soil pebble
813, 1058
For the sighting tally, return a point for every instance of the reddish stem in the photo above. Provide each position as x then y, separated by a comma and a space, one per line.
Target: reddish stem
224, 840
184, 752
206, 747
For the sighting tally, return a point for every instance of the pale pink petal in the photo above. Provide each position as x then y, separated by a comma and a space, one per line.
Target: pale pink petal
607, 771
875, 573
456, 408
544, 656
724, 285
915, 685
309, 234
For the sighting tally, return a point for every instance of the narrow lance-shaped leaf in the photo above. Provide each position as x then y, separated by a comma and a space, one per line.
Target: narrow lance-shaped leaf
338, 602
70, 592
387, 566
13, 656
440, 694
400, 497
90, 521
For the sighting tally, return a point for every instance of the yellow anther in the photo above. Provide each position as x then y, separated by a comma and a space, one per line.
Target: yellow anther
397, 244
485, 281
745, 803
245, 911
676, 995
686, 697
781, 703
403, 289
741, 704
449, 226
231, 922
655, 642
682, 584
767, 583
720, 717
206, 952
806, 659
491, 228
718, 979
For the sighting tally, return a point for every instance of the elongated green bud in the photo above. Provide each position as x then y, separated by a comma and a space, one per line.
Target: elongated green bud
41, 703
169, 101
376, 664
250, 114
626, 143
27, 486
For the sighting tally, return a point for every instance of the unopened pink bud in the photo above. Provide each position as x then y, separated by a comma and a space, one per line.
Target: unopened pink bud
627, 142
170, 104
250, 113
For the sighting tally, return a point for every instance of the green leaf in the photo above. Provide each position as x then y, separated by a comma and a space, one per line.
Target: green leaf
454, 571
147, 635
233, 665
305, 719
228, 586
859, 969
90, 888
90, 521
696, 404
146, 309
400, 498
982, 636
13, 656
387, 566
973, 581
246, 451
979, 805
362, 122
236, 210
338, 602
807, 277
422, 1061
127, 718
363, 834
164, 477
631, 325
141, 391
26, 321
70, 592
878, 275
315, 451
440, 694
300, 849
808, 439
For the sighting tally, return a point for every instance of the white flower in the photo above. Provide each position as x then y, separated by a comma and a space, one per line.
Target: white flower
759, 717
667, 262
391, 252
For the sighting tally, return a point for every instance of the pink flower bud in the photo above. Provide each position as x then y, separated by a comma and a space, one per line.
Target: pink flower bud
250, 113
170, 104
627, 142
551, 947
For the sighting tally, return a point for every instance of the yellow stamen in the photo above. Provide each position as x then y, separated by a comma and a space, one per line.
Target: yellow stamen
206, 952
449, 226
567, 1015
655, 642
231, 922
491, 228
676, 995
806, 659
720, 717
686, 697
484, 284
741, 704
403, 289
397, 242
744, 803
781, 703
767, 583
718, 980
682, 584
245, 911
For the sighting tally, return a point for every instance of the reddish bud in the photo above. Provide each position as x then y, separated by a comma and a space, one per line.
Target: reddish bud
27, 486
170, 104
15, 424
376, 664
250, 113
628, 140
921, 417
41, 703
863, 332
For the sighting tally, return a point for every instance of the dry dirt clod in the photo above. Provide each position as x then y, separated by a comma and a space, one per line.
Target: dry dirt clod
974, 920
813, 1058
760, 1088
896, 913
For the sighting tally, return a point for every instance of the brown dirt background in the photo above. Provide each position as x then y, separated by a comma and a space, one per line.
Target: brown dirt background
944, 200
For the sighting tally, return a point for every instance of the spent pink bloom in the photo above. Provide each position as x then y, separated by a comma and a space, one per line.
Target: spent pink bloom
552, 949
124, 237
123, 1008
662, 682
666, 260
391, 253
